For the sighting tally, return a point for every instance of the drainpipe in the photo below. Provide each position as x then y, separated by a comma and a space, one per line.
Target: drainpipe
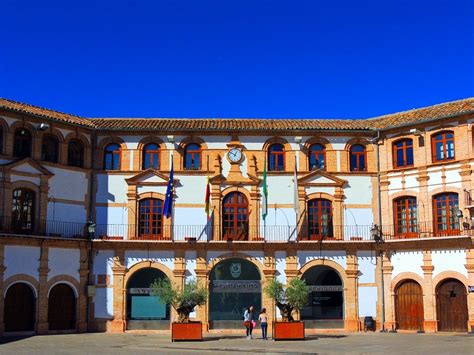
90, 218
379, 197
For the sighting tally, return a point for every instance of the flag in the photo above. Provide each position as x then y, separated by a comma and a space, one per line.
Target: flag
168, 208
265, 192
296, 202
208, 198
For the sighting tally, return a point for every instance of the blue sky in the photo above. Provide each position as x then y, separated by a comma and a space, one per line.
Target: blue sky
243, 58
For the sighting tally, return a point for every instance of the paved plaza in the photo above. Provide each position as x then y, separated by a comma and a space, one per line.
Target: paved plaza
136, 343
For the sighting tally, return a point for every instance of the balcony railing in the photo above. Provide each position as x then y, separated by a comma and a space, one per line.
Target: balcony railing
207, 233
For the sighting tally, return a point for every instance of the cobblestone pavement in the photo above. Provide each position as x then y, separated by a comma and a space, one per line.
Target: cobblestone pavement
139, 343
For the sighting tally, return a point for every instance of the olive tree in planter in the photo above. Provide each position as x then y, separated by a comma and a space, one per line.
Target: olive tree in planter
183, 300
288, 300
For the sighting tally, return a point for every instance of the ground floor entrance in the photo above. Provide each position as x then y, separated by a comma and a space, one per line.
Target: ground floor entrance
235, 284
325, 308
451, 306
19, 308
409, 306
145, 311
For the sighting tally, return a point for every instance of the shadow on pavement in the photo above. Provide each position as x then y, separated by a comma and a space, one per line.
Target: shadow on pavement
13, 338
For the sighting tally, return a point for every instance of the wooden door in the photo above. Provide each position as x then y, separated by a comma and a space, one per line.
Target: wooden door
19, 313
62, 308
409, 306
451, 306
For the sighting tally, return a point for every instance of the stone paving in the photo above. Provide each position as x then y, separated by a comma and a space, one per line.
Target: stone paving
139, 343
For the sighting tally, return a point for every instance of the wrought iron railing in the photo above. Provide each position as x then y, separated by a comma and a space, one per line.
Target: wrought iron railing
209, 232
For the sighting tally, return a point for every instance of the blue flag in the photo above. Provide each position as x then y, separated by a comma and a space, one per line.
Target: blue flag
168, 208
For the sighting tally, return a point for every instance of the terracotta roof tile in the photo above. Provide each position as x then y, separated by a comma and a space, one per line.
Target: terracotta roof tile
440, 111
226, 124
420, 115
44, 112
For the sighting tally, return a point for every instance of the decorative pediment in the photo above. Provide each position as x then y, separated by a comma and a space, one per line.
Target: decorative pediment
320, 178
221, 179
27, 166
150, 177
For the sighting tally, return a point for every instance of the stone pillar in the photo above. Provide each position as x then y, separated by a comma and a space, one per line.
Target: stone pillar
470, 296
292, 270
83, 299
254, 219
269, 272
430, 324
351, 296
42, 301
202, 313
119, 322
338, 214
387, 269
2, 300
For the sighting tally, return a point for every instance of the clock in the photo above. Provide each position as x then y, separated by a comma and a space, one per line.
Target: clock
234, 155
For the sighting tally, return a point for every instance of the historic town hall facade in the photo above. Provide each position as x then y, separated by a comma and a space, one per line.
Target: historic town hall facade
376, 215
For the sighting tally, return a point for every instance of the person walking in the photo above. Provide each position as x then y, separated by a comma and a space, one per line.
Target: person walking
248, 321
262, 317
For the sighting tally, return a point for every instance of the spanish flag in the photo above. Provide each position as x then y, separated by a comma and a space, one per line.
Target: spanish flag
208, 198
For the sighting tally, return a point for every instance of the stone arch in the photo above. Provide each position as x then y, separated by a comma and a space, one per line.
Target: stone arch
145, 265
236, 254
10, 138
442, 276
179, 158
85, 142
21, 278
64, 279
138, 159
345, 154
49, 132
404, 276
151, 194
274, 140
329, 152
329, 263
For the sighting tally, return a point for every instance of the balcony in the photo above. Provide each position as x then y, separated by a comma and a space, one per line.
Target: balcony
216, 233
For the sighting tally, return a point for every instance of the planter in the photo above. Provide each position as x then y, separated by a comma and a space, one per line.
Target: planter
288, 330
186, 331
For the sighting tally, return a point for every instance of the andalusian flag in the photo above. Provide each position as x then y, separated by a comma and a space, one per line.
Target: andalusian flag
265, 192
208, 198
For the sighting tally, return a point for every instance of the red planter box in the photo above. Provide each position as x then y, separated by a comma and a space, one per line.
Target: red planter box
186, 331
288, 330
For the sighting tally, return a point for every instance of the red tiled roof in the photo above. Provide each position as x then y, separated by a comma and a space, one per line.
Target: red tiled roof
43, 112
440, 111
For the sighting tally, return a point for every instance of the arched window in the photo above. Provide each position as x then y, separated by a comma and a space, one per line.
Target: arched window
445, 207
442, 146
320, 219
22, 142
2, 132
405, 217
235, 217
50, 148
150, 219
23, 210
112, 154
151, 156
75, 153
192, 157
276, 157
403, 153
358, 158
317, 157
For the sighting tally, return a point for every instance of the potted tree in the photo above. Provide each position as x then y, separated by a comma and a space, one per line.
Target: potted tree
183, 300
288, 300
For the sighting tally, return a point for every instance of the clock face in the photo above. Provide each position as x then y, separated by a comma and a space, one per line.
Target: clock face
235, 155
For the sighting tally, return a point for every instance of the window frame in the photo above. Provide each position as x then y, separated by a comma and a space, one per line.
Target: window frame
235, 205
317, 154
190, 156
273, 158
151, 153
405, 217
150, 220
81, 154
450, 219
320, 219
358, 155
405, 151
56, 143
18, 202
445, 142
116, 157
19, 142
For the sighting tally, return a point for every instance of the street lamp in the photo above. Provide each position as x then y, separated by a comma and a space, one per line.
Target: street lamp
90, 229
376, 233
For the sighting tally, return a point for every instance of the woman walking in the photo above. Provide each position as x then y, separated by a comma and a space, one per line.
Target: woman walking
262, 317
248, 321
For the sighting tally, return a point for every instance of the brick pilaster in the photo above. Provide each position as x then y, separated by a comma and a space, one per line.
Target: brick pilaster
42, 324
470, 296
351, 294
120, 297
429, 297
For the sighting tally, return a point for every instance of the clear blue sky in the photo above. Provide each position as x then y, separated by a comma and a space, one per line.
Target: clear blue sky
242, 58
